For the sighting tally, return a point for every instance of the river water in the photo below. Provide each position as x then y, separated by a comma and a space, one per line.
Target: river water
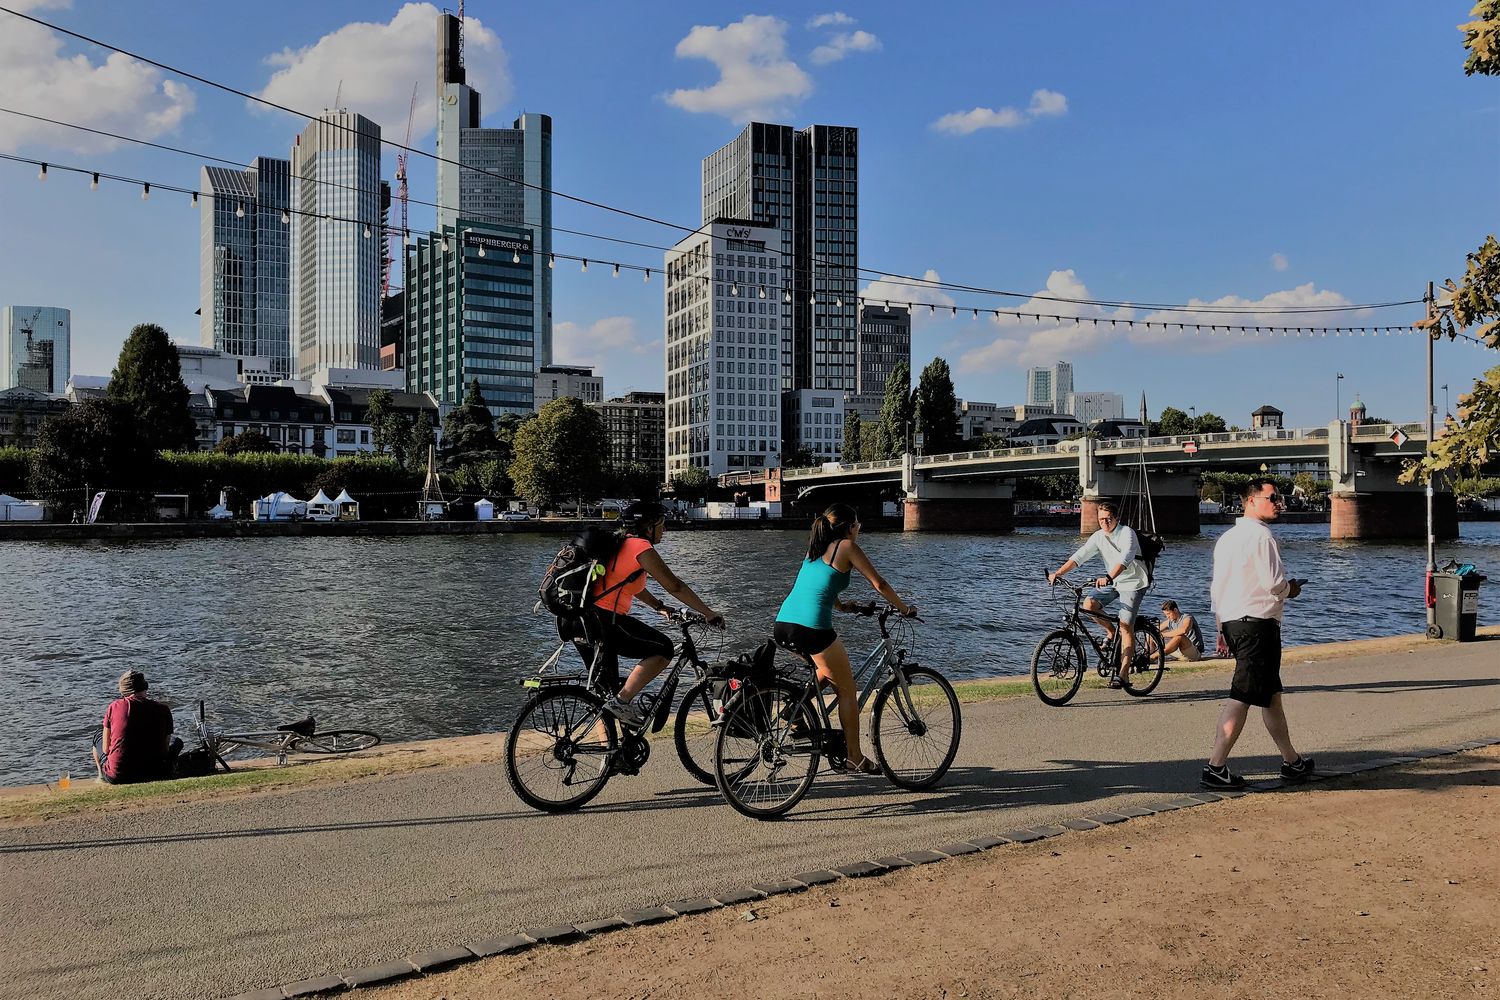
429, 637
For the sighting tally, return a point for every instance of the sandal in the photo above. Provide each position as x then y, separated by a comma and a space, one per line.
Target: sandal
865, 766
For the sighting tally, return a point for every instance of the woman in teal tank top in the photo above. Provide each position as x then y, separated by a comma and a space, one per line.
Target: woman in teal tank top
805, 622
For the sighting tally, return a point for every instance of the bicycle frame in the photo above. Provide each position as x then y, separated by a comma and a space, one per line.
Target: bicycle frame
1108, 653
891, 663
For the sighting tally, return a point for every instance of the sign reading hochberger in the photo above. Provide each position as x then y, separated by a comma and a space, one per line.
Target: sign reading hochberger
487, 241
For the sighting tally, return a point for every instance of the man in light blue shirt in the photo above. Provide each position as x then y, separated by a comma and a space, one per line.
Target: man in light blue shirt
1125, 581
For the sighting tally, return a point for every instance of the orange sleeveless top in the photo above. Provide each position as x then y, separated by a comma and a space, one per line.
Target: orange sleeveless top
626, 562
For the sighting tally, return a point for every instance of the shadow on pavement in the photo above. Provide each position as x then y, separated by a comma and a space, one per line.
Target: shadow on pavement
1352, 687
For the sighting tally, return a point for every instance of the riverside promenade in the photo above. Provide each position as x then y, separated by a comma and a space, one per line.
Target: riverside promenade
186, 897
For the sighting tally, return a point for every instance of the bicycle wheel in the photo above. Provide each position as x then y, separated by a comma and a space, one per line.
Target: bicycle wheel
695, 732
559, 751
334, 741
916, 732
766, 755
1150, 660
1057, 667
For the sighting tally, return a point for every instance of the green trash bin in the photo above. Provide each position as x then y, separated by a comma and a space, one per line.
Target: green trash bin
1456, 612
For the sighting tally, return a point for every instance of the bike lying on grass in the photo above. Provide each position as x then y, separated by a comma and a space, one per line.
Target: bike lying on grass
1059, 663
294, 737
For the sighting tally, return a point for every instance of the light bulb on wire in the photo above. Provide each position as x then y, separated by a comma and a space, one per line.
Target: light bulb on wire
239, 212
515, 256
286, 217
616, 272
94, 184
41, 174
195, 199
367, 230
146, 191
551, 261
585, 268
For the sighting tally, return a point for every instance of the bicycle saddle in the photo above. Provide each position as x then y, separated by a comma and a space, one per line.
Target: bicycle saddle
304, 728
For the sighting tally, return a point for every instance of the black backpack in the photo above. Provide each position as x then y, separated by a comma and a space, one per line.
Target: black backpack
565, 587
1151, 545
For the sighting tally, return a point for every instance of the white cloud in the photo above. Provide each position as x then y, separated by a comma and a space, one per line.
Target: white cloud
371, 67
756, 78
834, 19
574, 344
894, 290
844, 43
1044, 104
117, 95
1279, 262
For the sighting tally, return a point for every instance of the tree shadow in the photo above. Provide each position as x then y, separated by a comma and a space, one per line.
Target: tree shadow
1404, 686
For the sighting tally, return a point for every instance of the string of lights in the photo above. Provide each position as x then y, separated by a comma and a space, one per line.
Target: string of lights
894, 278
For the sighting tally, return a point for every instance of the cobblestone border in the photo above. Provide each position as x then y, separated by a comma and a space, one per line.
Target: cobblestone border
530, 937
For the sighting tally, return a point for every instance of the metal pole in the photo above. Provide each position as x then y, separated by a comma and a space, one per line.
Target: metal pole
1431, 534
1338, 407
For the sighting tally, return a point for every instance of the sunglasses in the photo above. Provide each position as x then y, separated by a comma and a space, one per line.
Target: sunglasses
1275, 498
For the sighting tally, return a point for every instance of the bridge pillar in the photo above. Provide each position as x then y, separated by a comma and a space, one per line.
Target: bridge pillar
1391, 514
1175, 514
1174, 497
959, 506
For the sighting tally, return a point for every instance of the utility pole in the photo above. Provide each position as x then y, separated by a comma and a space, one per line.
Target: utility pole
1432, 334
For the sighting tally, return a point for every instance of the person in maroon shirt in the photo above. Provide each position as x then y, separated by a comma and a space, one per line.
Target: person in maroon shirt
137, 742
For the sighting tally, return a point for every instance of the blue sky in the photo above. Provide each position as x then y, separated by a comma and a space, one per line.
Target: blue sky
1165, 152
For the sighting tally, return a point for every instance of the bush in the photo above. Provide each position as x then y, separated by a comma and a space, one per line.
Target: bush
383, 489
15, 467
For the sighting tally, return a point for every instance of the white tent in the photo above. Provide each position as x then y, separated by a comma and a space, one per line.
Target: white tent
347, 506
484, 510
320, 508
280, 507
219, 512
12, 509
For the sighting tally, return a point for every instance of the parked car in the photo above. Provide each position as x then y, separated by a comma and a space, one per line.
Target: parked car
515, 515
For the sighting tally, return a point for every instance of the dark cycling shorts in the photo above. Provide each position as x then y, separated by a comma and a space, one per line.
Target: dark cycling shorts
1256, 645
801, 639
620, 635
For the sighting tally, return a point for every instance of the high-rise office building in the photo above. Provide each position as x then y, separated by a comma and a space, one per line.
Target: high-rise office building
1091, 406
884, 343
723, 348
244, 262
495, 175
340, 204
36, 349
636, 427
804, 185
1049, 385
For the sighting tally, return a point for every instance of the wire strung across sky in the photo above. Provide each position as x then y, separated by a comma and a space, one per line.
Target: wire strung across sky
893, 278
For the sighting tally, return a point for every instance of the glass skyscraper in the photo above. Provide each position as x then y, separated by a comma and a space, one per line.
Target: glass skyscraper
244, 282
36, 348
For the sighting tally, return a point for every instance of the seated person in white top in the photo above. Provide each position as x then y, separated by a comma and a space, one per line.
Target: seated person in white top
1117, 547
1180, 633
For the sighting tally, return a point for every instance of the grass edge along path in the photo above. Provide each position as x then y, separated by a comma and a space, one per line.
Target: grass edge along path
31, 804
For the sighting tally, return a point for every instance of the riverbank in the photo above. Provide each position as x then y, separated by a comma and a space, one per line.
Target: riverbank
27, 804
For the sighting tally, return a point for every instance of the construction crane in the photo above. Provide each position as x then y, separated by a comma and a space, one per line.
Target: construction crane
401, 186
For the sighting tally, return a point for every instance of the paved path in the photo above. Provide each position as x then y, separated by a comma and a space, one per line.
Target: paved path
212, 899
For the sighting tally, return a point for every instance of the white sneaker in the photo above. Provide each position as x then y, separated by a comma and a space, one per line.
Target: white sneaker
625, 712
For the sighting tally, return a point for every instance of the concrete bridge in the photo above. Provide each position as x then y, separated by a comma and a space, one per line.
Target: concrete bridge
973, 491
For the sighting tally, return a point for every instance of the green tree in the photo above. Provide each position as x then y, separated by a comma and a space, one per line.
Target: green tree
799, 458
1173, 422
633, 480
1208, 423
936, 408
1482, 39
420, 437
990, 441
895, 412
869, 441
853, 438
148, 379
691, 484
98, 444
561, 454
470, 428
245, 441
377, 410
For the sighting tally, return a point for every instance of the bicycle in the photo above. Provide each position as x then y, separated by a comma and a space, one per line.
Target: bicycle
294, 737
775, 731
563, 746
1059, 663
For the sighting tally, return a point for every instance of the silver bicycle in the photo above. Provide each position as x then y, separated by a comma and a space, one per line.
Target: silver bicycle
294, 737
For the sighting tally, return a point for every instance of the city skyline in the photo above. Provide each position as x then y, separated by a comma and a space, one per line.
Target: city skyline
972, 178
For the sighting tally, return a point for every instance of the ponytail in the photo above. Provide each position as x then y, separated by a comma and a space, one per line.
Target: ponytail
830, 526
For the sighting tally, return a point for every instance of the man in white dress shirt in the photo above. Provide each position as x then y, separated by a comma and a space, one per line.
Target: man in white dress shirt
1250, 589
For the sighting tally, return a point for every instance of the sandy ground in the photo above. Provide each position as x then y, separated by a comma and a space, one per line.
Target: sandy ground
1383, 885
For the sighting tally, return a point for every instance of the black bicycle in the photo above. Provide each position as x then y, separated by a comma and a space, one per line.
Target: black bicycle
1059, 663
564, 747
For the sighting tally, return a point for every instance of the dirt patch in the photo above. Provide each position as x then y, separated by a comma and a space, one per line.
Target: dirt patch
1383, 885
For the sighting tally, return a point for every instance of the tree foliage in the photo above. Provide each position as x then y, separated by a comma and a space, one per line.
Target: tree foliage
691, 483
1482, 39
632, 480
469, 429
561, 454
1176, 423
148, 379
853, 450
245, 441
799, 458
895, 413
15, 469
98, 444
936, 409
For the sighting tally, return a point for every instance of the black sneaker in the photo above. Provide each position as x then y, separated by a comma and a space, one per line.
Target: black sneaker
1219, 777
1298, 771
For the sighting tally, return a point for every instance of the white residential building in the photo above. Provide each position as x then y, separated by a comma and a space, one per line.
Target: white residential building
815, 418
557, 381
1091, 406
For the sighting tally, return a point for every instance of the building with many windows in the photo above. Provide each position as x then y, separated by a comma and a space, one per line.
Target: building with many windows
497, 175
803, 184
556, 381
1091, 406
1049, 385
817, 419
884, 343
723, 348
469, 315
337, 246
636, 425
244, 262
36, 349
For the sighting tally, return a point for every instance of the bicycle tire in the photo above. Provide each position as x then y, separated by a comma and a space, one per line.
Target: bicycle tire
335, 741
696, 736
1150, 650
1057, 667
755, 734
541, 739
939, 730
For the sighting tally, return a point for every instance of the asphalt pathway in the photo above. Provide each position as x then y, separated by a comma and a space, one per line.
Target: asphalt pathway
212, 899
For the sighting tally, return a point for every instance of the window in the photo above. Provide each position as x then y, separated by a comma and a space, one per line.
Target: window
346, 435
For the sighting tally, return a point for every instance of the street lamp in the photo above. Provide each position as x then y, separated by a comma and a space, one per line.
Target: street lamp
1338, 411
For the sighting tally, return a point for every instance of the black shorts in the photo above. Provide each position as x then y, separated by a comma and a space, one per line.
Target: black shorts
620, 635
1256, 646
801, 639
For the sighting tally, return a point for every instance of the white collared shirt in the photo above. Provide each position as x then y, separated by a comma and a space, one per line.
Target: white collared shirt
1249, 579
1119, 547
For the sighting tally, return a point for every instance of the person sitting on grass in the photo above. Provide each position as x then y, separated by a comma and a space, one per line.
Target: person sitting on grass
137, 742
1180, 633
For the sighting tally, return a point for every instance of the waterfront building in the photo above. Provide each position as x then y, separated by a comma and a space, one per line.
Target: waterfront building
36, 348
636, 425
976, 419
392, 331
1049, 385
557, 381
723, 345
469, 315
498, 175
22, 411
337, 243
1044, 430
1266, 416
817, 421
1029, 411
866, 405
803, 184
294, 422
348, 407
1091, 406
884, 342
244, 262
1120, 428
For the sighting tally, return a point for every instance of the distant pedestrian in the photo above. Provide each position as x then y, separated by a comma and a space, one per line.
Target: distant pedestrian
1250, 589
137, 742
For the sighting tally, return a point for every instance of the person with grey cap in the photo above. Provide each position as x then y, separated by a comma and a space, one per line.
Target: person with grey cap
137, 742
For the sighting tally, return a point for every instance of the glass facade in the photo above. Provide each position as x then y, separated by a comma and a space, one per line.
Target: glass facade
884, 342
36, 348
